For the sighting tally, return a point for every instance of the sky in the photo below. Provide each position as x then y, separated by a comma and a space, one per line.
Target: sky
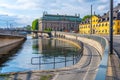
19, 13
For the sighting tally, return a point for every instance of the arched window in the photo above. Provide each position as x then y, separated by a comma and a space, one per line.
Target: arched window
102, 24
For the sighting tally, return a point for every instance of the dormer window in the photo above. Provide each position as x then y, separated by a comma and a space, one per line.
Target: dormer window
107, 19
104, 13
86, 21
114, 18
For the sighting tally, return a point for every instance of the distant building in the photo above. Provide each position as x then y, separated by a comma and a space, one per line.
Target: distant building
59, 22
100, 24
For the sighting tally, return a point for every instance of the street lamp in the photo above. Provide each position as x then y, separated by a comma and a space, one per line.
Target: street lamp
111, 26
91, 21
7, 21
4, 16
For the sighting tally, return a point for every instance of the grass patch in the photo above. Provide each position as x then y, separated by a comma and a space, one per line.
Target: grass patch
4, 75
47, 77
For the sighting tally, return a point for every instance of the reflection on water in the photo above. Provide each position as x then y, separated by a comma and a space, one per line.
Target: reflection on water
34, 53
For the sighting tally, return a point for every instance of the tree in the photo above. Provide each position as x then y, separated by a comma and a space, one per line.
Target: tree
48, 29
28, 27
85, 17
35, 24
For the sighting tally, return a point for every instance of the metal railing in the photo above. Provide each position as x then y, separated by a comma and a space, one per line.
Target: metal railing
102, 69
12, 33
75, 57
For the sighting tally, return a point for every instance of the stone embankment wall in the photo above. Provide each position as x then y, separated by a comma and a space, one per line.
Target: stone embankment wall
8, 43
91, 42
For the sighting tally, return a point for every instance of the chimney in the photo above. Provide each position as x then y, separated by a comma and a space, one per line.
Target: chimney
75, 14
118, 4
104, 13
78, 15
94, 12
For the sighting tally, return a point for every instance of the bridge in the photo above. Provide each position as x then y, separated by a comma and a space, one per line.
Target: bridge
35, 32
22, 32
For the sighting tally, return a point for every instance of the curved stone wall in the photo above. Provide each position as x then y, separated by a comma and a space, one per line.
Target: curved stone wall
100, 43
8, 43
91, 42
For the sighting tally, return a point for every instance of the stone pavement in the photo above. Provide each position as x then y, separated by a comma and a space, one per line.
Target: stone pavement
114, 59
114, 67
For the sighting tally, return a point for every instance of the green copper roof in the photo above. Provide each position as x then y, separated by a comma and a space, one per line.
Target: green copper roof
49, 17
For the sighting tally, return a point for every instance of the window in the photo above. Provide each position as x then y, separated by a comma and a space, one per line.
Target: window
113, 23
118, 23
99, 25
106, 31
106, 24
102, 24
118, 30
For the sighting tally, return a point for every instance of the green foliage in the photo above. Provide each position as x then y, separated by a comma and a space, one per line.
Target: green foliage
28, 27
48, 29
4, 75
48, 77
35, 24
85, 17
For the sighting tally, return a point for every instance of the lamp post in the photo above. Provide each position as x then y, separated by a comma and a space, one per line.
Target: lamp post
91, 22
111, 26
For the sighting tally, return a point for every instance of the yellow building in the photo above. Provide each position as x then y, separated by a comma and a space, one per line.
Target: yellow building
100, 24
84, 27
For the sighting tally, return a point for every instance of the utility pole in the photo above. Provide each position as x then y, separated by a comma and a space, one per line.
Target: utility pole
111, 26
7, 24
91, 21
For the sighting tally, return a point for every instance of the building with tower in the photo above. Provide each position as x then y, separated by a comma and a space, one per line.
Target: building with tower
59, 22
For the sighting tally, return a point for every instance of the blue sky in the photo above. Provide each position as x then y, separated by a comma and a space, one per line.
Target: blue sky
23, 12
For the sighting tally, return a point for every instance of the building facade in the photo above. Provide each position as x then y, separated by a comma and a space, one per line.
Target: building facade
59, 22
100, 24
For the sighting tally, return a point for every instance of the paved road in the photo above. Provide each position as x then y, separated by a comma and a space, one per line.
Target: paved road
115, 58
88, 68
116, 43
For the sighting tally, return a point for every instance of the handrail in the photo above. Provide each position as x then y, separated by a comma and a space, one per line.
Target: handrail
102, 69
75, 58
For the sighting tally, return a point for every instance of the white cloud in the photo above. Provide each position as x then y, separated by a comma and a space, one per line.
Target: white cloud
81, 0
24, 20
69, 9
24, 6
27, 10
5, 13
101, 7
104, 1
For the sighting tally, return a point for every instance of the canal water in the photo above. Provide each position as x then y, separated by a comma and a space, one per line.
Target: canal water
39, 54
